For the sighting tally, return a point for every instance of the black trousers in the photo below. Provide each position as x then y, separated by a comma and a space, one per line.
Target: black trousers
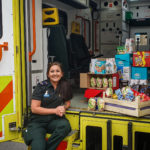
58, 127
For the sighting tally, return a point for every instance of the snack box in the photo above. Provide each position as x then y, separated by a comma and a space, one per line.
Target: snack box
140, 73
135, 108
124, 62
99, 67
141, 59
85, 80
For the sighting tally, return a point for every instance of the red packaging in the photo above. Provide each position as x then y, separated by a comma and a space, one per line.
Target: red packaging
141, 59
115, 79
143, 96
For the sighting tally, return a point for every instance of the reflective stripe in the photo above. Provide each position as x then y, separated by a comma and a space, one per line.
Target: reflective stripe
6, 98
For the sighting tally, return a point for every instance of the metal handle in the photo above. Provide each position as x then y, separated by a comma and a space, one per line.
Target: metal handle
5, 46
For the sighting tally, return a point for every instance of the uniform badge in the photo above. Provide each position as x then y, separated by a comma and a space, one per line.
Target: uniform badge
46, 94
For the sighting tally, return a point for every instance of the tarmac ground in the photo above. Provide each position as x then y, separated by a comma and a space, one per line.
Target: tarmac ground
12, 146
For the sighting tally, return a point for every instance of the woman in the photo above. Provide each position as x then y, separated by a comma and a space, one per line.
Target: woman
50, 100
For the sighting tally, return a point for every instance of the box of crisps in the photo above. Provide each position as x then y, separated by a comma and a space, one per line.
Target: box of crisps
141, 59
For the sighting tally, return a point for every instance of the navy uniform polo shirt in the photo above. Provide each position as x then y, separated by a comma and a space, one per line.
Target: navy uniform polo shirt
45, 93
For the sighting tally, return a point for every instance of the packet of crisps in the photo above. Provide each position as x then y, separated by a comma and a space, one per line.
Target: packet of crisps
100, 104
92, 104
109, 92
93, 82
99, 82
105, 83
119, 94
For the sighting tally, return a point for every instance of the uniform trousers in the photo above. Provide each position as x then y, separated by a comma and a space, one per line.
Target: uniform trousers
58, 127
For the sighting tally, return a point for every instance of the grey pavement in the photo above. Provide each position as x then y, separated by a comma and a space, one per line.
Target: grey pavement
12, 146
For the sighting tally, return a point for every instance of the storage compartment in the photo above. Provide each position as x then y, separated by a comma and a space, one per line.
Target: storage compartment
142, 141
118, 142
93, 138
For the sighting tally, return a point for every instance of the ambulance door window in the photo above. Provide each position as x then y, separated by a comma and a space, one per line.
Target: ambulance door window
0, 18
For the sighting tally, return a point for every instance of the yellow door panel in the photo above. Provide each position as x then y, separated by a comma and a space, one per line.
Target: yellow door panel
73, 119
141, 135
120, 128
95, 125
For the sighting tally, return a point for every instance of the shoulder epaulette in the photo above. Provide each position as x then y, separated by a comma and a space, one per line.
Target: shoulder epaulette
45, 82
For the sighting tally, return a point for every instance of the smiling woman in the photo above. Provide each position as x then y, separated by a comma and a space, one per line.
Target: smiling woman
1, 18
50, 100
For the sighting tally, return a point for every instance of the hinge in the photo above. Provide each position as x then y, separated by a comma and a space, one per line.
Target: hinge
16, 49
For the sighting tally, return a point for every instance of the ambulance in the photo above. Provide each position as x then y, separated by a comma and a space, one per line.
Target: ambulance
36, 32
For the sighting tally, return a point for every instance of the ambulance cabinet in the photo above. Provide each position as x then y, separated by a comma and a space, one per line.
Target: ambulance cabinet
93, 132
141, 135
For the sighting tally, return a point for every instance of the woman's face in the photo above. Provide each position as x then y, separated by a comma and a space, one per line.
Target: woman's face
55, 73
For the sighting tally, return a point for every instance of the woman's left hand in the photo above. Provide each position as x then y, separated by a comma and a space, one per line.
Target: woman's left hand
60, 111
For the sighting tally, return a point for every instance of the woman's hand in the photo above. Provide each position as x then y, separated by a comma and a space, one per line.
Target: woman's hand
60, 111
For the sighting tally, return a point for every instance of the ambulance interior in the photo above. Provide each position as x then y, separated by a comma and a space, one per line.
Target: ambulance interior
100, 27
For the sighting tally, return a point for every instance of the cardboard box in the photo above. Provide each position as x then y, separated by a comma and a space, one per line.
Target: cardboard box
140, 73
135, 108
123, 60
124, 63
141, 59
85, 80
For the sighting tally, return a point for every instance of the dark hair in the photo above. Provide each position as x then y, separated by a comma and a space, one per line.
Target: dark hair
64, 88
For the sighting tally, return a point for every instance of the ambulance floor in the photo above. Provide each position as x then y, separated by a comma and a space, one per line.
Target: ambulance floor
78, 100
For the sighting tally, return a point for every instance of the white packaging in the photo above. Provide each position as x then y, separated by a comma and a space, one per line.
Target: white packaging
134, 82
92, 65
130, 45
127, 73
110, 66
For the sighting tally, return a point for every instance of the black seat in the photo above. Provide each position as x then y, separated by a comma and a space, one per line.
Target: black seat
80, 51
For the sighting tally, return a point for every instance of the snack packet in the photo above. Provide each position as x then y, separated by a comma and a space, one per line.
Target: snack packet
129, 96
105, 83
92, 104
109, 92
110, 82
100, 104
99, 82
93, 82
119, 94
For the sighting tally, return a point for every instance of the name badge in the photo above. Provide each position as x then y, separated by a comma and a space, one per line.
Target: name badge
46, 94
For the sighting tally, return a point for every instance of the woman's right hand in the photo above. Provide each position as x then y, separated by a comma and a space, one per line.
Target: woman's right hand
60, 111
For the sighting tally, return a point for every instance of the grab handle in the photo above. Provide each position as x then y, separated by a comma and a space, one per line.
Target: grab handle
34, 32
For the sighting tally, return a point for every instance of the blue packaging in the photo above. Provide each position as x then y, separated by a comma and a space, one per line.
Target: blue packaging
123, 62
140, 73
100, 67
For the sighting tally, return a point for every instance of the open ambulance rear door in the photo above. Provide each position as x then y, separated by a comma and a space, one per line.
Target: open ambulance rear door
12, 79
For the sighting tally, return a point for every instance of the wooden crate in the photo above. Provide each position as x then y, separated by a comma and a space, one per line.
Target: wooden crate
135, 108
